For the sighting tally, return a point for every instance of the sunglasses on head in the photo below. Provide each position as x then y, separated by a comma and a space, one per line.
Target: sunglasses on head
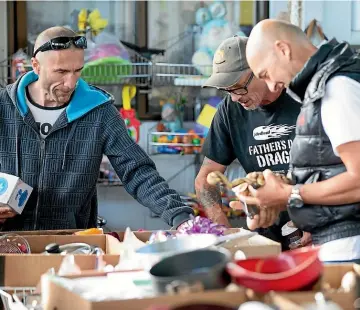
62, 43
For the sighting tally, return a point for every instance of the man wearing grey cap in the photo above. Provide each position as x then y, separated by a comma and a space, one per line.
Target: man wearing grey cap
252, 124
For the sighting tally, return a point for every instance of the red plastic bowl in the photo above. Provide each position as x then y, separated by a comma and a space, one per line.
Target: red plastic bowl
289, 271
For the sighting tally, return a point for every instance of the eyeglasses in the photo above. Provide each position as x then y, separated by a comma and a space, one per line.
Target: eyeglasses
62, 43
241, 91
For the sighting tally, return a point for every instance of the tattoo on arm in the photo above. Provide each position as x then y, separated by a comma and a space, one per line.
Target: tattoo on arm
210, 196
210, 199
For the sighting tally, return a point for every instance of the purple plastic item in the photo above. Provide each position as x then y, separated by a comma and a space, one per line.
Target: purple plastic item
201, 225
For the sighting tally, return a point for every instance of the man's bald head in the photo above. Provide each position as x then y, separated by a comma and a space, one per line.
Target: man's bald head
276, 46
270, 30
58, 69
52, 33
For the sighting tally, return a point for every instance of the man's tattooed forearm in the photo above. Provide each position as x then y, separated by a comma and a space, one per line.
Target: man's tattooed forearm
210, 199
210, 196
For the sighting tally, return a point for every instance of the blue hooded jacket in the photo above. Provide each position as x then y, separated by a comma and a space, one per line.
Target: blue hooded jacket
64, 167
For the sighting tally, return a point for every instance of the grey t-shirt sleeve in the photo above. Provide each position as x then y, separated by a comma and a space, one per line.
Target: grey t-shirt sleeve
218, 144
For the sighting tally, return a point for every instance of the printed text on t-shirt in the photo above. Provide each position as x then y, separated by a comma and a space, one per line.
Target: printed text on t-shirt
274, 152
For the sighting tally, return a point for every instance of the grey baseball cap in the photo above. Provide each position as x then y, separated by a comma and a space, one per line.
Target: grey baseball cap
229, 63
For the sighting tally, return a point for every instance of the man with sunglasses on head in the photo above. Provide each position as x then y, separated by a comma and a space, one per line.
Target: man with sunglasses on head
251, 125
55, 129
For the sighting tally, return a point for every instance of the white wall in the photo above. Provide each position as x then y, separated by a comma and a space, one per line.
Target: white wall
337, 18
275, 7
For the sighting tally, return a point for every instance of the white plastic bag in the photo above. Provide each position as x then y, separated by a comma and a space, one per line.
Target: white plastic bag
105, 45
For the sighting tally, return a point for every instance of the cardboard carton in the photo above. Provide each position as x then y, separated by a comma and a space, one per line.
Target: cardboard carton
26, 269
60, 298
14, 193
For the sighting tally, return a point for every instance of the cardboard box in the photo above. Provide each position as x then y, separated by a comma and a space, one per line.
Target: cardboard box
41, 232
60, 298
32, 266
255, 246
14, 193
329, 283
21, 270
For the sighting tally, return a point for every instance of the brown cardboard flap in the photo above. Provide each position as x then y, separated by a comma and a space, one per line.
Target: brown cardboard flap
300, 299
256, 246
107, 243
38, 243
60, 298
26, 270
331, 278
41, 232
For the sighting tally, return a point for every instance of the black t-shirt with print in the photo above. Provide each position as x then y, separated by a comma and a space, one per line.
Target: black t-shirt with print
260, 139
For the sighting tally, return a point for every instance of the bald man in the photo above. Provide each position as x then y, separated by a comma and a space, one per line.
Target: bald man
55, 129
325, 157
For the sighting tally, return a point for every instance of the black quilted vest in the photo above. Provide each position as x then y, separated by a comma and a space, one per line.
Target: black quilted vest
312, 156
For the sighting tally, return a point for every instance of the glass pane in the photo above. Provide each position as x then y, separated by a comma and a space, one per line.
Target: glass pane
45, 14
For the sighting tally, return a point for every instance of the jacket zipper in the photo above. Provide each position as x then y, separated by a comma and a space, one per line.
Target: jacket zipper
42, 152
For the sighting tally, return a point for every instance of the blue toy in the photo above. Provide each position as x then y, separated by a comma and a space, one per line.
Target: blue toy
170, 116
215, 29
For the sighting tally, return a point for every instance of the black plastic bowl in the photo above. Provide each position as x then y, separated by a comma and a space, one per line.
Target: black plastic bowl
205, 268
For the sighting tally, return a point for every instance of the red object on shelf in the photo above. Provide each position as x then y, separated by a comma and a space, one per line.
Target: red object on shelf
289, 271
132, 123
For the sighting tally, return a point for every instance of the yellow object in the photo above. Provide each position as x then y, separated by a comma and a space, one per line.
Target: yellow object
128, 92
90, 231
163, 139
96, 22
206, 116
82, 20
246, 12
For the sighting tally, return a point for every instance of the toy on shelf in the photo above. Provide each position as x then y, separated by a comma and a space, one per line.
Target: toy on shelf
215, 29
129, 114
20, 64
182, 141
170, 116
171, 135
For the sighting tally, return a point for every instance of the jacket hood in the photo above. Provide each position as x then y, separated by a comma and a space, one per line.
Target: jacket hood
85, 98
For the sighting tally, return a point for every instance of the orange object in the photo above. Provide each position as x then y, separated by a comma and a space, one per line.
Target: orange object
194, 135
160, 127
90, 231
177, 139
